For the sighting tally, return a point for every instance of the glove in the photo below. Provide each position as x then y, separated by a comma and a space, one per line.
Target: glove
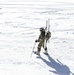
36, 40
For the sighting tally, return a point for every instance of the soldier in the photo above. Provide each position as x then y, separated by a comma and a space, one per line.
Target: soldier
42, 37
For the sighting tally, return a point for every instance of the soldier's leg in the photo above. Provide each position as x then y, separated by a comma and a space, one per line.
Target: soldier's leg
38, 49
45, 48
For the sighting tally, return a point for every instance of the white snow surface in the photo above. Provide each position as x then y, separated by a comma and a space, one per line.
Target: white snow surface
19, 28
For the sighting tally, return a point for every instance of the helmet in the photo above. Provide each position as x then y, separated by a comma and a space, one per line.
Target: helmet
42, 29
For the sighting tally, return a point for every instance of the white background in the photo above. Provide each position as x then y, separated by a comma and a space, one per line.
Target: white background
19, 28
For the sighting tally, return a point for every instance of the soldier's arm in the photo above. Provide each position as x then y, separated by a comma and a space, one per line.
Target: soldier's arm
39, 39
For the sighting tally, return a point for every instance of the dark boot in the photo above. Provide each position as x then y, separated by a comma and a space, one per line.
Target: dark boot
38, 51
46, 50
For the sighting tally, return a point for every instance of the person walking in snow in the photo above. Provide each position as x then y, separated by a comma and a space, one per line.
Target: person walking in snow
42, 38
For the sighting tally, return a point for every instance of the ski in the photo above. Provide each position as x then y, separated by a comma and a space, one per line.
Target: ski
47, 29
47, 25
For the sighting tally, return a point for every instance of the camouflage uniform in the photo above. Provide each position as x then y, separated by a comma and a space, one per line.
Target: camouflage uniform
42, 38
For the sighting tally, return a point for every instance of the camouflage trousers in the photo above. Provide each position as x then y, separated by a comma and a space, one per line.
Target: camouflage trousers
40, 45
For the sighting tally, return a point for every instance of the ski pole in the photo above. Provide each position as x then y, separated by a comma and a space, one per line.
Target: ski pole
33, 49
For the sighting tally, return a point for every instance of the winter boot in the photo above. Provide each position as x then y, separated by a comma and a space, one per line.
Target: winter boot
46, 52
37, 52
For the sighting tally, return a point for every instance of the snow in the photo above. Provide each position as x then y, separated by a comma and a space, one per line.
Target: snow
19, 28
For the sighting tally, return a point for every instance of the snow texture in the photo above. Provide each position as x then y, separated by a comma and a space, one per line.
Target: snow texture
20, 21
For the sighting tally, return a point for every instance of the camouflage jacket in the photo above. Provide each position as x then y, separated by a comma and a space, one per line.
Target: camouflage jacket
44, 37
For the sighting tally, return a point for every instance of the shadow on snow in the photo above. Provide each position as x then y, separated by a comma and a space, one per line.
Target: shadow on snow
60, 69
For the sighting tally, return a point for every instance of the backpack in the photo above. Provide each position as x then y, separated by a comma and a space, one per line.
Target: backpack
48, 35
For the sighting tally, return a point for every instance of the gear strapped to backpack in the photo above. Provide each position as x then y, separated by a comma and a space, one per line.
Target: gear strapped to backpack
48, 35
